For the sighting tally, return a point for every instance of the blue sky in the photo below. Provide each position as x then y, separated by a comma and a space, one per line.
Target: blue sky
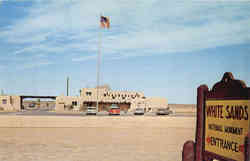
163, 48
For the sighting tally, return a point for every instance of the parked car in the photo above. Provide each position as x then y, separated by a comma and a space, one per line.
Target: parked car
114, 110
139, 111
31, 105
91, 110
163, 111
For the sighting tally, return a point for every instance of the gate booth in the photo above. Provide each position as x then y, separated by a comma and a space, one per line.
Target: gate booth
223, 123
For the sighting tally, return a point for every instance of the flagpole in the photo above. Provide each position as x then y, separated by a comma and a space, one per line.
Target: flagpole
98, 70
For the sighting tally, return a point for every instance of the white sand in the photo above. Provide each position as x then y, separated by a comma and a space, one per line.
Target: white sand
100, 139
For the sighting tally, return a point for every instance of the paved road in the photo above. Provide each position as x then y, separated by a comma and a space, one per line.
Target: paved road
47, 112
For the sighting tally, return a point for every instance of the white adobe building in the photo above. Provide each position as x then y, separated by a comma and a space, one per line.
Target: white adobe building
126, 100
10, 103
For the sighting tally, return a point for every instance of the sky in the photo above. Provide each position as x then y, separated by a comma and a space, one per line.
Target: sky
163, 48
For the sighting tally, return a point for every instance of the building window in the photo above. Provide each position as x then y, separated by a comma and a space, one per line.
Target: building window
74, 103
87, 104
88, 93
4, 101
104, 94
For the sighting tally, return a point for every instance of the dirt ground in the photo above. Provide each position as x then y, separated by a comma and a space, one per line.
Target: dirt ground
101, 139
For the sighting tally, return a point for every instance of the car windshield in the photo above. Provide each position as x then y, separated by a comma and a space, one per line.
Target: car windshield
114, 106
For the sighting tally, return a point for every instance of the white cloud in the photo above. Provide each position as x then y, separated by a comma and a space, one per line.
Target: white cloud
35, 64
137, 27
84, 58
186, 40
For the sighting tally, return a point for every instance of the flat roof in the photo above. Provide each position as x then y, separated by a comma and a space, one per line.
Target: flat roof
51, 97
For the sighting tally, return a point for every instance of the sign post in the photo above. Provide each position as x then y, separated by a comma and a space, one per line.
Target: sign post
223, 123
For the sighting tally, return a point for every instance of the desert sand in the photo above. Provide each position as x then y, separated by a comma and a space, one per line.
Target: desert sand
141, 138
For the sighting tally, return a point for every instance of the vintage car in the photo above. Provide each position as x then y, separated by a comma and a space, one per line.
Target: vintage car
32, 105
139, 111
163, 111
114, 110
91, 110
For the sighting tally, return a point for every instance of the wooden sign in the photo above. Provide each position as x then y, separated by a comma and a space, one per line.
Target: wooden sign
223, 123
226, 126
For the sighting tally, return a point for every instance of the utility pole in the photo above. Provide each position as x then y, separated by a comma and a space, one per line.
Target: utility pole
80, 91
67, 86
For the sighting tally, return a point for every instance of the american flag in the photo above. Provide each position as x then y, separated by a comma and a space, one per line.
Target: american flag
105, 23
